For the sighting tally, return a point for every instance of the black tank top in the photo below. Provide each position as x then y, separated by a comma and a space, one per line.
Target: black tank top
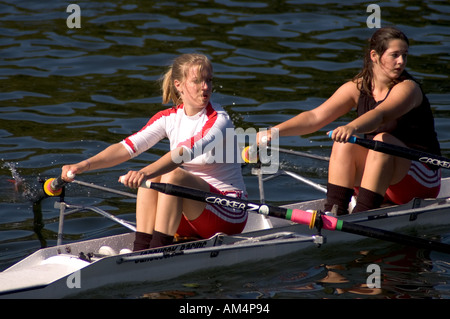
415, 128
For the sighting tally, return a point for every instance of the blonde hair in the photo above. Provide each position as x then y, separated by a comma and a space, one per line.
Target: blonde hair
178, 71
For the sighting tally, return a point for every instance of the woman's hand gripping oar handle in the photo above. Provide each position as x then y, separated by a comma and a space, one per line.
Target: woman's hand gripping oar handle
250, 153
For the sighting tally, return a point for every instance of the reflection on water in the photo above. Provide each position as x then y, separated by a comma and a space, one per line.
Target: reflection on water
68, 93
405, 274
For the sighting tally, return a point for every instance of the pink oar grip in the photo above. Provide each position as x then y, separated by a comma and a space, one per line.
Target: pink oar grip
300, 216
308, 218
329, 222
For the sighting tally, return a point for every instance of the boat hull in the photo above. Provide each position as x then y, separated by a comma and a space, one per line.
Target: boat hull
58, 272
145, 266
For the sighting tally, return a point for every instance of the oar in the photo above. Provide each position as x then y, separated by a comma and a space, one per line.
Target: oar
298, 153
249, 154
400, 151
53, 187
298, 216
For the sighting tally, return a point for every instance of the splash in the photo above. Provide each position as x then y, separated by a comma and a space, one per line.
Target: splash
19, 185
16, 180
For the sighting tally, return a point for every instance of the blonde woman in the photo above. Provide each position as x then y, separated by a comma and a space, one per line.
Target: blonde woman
192, 126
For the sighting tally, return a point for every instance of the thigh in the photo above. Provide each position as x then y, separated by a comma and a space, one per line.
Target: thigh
214, 219
347, 164
401, 165
146, 207
191, 208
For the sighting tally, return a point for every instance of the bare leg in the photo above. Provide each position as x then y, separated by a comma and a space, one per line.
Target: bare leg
158, 215
347, 164
352, 165
146, 205
383, 170
170, 208
155, 210
345, 171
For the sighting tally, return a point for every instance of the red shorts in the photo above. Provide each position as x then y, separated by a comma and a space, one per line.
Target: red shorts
215, 219
420, 182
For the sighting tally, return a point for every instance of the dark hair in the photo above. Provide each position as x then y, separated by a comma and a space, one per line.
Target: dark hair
380, 43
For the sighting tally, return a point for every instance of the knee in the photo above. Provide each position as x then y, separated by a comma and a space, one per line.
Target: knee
346, 158
173, 177
342, 151
385, 137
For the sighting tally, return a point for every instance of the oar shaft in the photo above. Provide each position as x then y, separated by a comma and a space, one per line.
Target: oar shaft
217, 199
415, 155
106, 189
250, 153
400, 151
417, 242
298, 153
296, 215
53, 187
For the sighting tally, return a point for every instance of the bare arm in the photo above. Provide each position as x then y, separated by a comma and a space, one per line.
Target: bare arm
404, 97
116, 154
340, 103
109, 157
163, 165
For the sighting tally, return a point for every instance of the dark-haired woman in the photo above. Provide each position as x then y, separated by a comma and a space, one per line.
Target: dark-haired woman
392, 108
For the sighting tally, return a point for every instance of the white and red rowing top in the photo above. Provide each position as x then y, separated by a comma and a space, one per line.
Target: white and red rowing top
208, 137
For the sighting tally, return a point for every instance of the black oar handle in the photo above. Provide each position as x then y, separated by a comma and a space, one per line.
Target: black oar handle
400, 151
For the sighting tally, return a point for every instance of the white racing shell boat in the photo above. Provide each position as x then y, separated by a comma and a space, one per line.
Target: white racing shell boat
72, 268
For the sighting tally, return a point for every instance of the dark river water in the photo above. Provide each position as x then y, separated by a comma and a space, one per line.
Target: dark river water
67, 93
